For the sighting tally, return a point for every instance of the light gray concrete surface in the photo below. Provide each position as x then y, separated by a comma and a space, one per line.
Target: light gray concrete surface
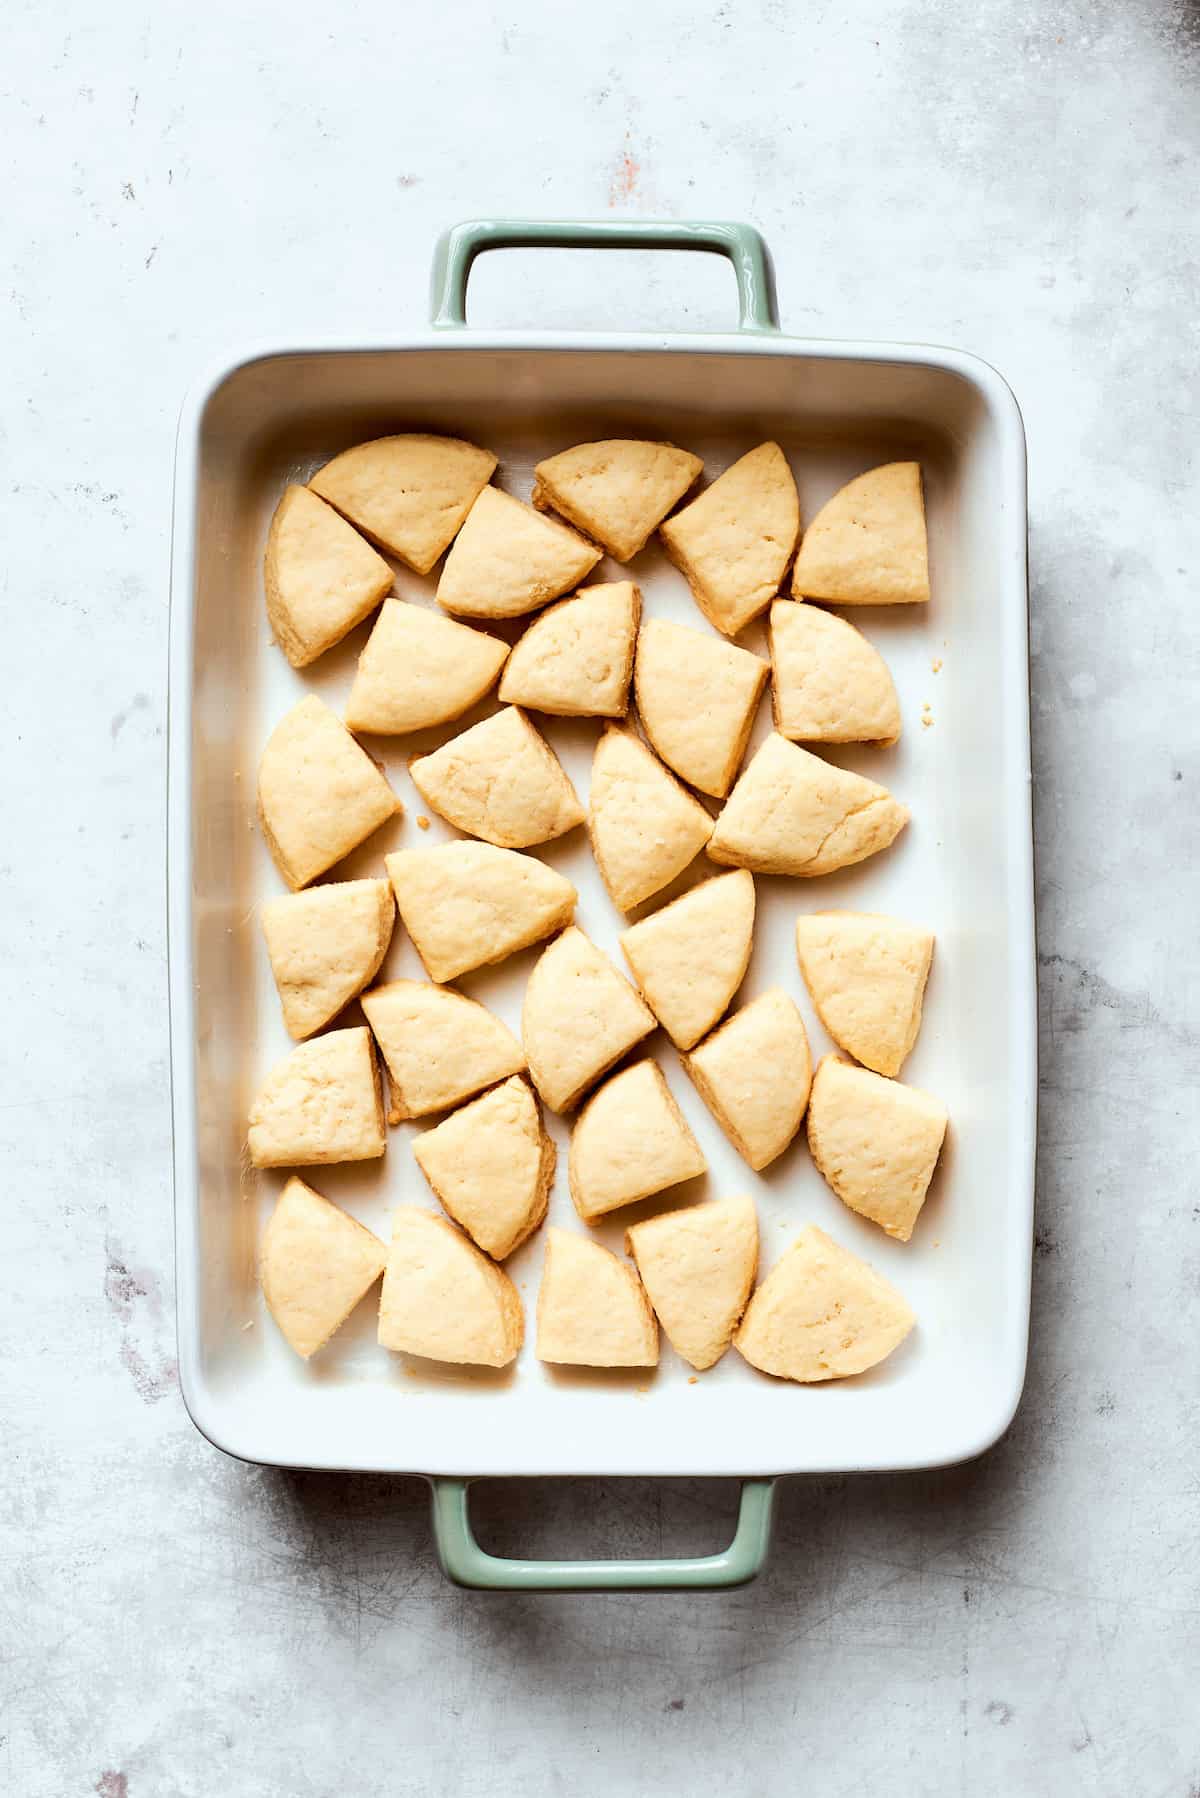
1019, 179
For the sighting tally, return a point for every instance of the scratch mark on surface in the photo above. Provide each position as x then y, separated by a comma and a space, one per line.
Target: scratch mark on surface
135, 1300
627, 175
151, 256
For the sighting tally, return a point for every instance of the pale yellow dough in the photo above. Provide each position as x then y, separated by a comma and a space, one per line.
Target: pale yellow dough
696, 697
577, 658
466, 905
867, 545
501, 781
754, 1074
491, 1164
617, 491
822, 1314
324, 946
690, 958
317, 1263
793, 813
867, 975
440, 1047
445, 1300
319, 793
735, 541
698, 1267
630, 1140
876, 1142
645, 827
591, 1309
579, 1017
321, 577
508, 559
408, 493
322, 1103
829, 685
419, 668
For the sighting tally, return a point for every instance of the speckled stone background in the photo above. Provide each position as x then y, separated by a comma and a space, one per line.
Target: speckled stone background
1019, 179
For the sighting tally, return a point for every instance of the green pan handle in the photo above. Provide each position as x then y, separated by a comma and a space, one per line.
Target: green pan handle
742, 244
467, 1564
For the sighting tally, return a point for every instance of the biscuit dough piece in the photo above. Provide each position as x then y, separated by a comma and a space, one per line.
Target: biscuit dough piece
321, 577
591, 1309
867, 545
822, 1314
508, 559
876, 1142
645, 827
630, 1140
440, 1047
324, 946
698, 1267
466, 905
793, 813
317, 1263
867, 975
618, 491
418, 668
445, 1300
579, 1017
577, 658
408, 493
829, 685
696, 698
491, 1164
735, 541
690, 958
501, 781
754, 1073
322, 1103
319, 793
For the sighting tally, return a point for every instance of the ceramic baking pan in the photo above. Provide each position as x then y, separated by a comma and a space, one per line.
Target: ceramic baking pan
964, 867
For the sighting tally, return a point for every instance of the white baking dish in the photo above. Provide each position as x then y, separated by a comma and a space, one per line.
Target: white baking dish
964, 866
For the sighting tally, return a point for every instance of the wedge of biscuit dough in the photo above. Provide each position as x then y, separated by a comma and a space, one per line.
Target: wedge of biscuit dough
508, 559
592, 1311
419, 668
576, 659
645, 827
317, 1263
319, 793
793, 813
579, 1017
629, 1141
735, 541
690, 957
696, 697
324, 946
754, 1074
501, 781
867, 975
698, 1267
322, 1103
829, 685
491, 1164
867, 545
466, 905
617, 491
321, 577
439, 1046
876, 1142
821, 1314
445, 1300
409, 493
